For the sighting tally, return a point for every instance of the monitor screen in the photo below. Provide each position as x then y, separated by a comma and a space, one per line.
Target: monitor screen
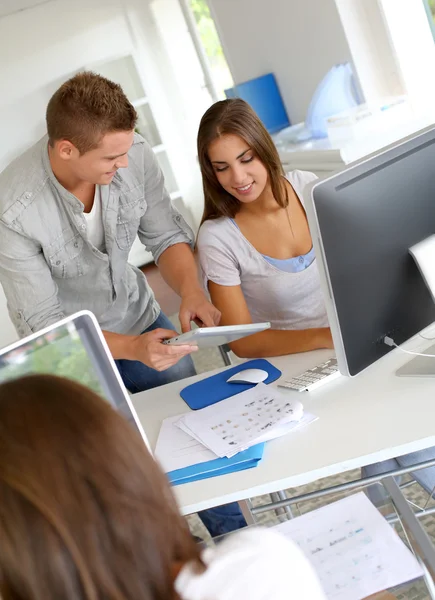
263, 94
363, 222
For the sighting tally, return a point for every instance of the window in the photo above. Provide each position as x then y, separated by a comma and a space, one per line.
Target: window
209, 38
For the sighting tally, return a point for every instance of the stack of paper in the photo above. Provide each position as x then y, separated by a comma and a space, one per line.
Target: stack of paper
237, 423
227, 436
185, 459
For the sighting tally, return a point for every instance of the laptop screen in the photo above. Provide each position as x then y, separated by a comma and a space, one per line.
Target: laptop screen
72, 348
60, 352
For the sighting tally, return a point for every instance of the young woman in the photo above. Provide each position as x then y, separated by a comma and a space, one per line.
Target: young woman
255, 246
86, 514
254, 243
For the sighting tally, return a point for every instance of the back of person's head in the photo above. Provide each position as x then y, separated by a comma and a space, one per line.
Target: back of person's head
235, 117
87, 107
85, 513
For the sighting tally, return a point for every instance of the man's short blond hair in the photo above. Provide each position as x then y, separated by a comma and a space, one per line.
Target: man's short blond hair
87, 107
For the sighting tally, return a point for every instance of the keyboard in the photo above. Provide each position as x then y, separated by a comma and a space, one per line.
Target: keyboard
312, 378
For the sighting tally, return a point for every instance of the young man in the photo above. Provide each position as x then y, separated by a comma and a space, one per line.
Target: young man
70, 209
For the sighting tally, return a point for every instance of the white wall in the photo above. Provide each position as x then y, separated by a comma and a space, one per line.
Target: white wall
40, 48
7, 7
371, 48
298, 40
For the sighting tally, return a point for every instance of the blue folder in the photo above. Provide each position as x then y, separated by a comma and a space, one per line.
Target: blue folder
215, 388
219, 466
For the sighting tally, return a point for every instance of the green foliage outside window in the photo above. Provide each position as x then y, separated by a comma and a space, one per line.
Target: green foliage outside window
212, 45
207, 31
58, 353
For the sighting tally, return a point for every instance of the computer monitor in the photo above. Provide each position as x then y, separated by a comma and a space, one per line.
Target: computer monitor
76, 349
363, 221
263, 94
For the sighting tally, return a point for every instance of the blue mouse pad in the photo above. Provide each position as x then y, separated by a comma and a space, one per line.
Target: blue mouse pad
215, 388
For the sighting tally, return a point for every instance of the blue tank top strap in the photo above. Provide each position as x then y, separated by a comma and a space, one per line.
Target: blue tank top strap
296, 264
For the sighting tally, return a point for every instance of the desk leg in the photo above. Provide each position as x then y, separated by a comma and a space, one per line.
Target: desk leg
286, 510
427, 578
421, 537
245, 507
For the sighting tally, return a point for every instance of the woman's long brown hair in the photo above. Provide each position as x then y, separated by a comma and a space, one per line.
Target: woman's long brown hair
85, 513
236, 117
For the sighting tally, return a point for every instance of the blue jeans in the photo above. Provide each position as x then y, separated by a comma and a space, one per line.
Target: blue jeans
137, 377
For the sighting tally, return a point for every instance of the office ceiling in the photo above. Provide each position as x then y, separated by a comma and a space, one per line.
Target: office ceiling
8, 7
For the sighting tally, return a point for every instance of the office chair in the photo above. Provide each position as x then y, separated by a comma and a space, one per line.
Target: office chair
225, 353
424, 477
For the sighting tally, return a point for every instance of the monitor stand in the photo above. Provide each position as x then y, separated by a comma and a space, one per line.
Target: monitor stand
424, 255
420, 366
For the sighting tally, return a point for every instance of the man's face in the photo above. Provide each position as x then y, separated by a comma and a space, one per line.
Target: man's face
99, 165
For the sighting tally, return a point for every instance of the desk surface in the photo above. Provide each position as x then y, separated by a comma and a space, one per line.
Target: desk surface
366, 419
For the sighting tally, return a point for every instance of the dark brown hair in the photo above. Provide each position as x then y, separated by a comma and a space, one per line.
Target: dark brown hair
85, 513
235, 117
85, 108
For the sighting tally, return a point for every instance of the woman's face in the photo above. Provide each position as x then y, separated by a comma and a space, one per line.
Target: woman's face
237, 168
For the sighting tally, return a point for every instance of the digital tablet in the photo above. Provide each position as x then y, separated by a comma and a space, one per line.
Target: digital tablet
205, 337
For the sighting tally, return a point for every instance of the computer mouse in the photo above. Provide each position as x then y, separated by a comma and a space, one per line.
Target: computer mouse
249, 376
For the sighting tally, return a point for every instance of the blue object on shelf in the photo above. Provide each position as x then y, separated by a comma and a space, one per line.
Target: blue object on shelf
248, 459
336, 93
263, 94
215, 388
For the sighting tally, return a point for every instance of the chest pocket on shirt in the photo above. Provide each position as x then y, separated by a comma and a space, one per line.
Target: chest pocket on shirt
66, 261
132, 207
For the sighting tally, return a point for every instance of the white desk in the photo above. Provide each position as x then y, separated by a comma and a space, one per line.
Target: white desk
366, 419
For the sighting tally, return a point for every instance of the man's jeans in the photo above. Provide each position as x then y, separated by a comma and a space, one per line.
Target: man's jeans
137, 377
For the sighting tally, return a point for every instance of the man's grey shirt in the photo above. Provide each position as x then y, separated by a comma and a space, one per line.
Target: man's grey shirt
49, 269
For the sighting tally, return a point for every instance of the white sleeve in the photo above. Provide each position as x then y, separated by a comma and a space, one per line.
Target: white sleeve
258, 564
217, 260
299, 180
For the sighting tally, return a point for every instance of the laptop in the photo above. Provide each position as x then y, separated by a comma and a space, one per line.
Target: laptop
74, 348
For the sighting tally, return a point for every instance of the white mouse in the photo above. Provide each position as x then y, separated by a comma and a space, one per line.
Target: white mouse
249, 376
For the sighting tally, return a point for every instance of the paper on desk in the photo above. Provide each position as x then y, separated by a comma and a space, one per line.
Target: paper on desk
352, 548
176, 449
281, 430
277, 432
241, 421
